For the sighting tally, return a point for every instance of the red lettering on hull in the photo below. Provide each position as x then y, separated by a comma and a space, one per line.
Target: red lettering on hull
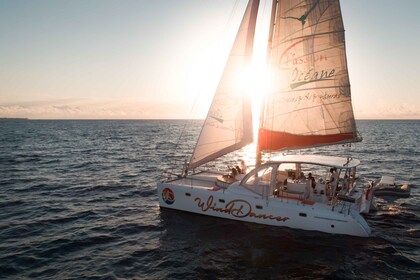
237, 208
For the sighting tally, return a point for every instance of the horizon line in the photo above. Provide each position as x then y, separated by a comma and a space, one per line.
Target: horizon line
169, 119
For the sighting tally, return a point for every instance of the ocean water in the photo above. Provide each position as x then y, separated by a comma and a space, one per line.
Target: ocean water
78, 201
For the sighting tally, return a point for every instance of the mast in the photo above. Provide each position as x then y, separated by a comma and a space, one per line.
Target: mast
274, 5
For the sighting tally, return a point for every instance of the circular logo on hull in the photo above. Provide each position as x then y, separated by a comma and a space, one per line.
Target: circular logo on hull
168, 196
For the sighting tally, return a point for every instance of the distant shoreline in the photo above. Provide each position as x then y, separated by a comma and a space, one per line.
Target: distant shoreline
14, 119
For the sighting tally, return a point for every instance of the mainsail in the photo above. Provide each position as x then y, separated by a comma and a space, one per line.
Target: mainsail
228, 125
310, 104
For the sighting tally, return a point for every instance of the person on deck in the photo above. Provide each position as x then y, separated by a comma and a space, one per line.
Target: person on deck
334, 177
243, 166
332, 182
312, 180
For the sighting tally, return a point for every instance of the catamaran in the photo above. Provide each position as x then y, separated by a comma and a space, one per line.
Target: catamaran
308, 105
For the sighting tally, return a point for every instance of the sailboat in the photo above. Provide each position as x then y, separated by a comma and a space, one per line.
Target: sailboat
309, 105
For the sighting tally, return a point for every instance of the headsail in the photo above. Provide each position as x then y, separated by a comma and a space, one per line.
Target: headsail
228, 125
310, 104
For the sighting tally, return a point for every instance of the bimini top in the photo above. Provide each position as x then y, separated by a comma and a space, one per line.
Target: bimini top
338, 162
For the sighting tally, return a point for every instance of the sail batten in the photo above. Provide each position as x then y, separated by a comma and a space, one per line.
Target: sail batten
228, 125
310, 103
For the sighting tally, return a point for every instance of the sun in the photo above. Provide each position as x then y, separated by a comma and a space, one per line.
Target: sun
255, 81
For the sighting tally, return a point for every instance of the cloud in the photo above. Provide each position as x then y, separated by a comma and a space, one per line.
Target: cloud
89, 108
95, 109
382, 110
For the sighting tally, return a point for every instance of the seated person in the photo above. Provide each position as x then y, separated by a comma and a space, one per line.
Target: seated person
302, 175
243, 166
234, 172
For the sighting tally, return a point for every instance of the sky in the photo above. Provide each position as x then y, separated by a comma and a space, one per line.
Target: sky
161, 59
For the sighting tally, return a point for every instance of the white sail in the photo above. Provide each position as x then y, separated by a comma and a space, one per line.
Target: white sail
228, 125
311, 103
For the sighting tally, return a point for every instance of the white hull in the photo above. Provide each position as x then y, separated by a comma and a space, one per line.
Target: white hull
199, 194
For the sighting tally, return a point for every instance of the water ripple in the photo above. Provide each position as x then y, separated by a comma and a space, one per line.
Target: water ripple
78, 201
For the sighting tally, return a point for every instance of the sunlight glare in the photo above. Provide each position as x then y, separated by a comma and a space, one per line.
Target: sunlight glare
255, 81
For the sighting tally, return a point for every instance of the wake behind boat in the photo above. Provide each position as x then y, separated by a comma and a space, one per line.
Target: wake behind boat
309, 105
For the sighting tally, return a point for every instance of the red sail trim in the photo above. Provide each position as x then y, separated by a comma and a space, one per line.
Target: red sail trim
269, 140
